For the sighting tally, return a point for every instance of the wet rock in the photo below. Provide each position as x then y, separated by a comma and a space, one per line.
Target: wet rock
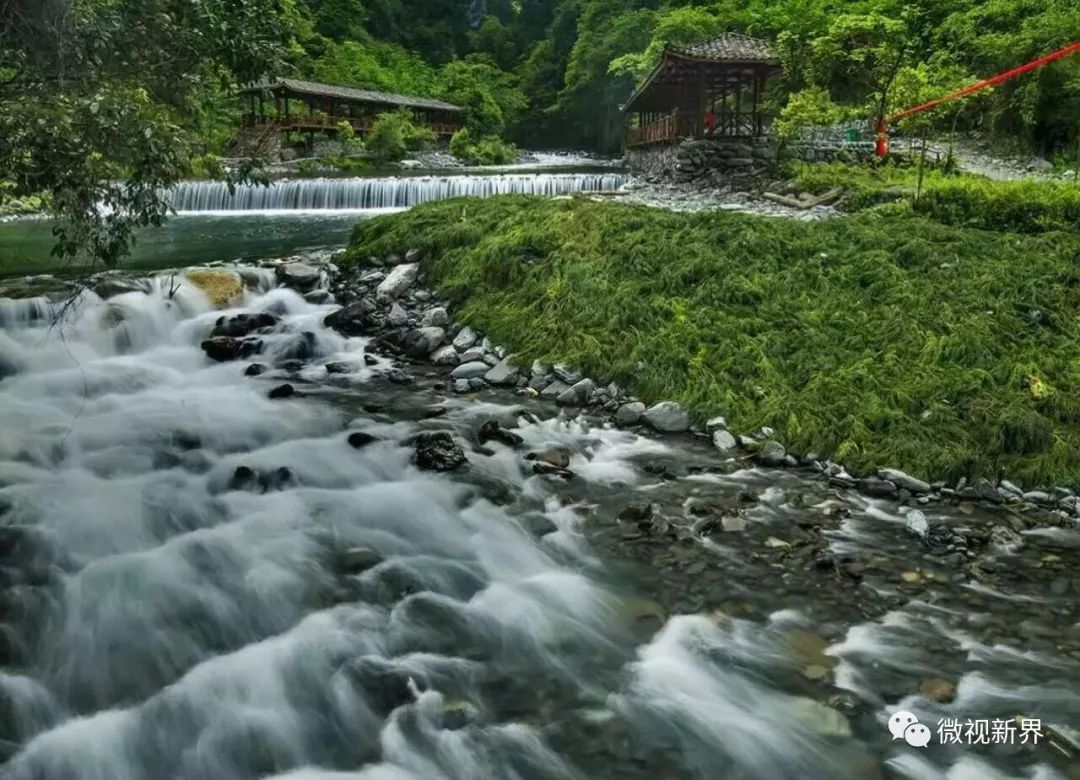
715, 424
399, 377
370, 360
547, 469
340, 367
904, 481
916, 522
578, 395
298, 276
567, 374
353, 320
397, 281
397, 316
255, 369
667, 417
420, 342
358, 439
492, 431
225, 348
554, 390
771, 453
879, 488
470, 370
936, 689
556, 456
476, 384
985, 490
437, 451
109, 286
465, 339
538, 382
244, 478
279, 479
317, 297
733, 524
282, 391
1037, 497
435, 318
414, 255
356, 560
724, 441
243, 325
630, 413
504, 373
445, 356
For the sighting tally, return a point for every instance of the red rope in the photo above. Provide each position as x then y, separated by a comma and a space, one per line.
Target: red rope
1072, 48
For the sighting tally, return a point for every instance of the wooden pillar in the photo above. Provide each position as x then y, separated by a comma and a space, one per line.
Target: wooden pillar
738, 102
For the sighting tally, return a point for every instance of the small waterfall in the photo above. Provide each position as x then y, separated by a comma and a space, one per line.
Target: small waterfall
358, 194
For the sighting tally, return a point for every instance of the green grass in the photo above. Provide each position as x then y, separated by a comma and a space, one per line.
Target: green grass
1023, 206
878, 339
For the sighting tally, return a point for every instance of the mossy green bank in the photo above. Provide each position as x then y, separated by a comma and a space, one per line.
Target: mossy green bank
877, 339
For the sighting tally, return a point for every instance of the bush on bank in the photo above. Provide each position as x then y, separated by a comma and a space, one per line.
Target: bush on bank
879, 339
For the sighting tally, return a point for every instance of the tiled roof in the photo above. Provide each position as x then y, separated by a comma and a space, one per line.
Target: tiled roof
357, 95
729, 46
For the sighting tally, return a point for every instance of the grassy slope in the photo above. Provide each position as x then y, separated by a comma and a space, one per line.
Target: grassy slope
879, 339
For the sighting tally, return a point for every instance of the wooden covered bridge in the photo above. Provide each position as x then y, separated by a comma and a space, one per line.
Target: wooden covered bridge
713, 88
284, 105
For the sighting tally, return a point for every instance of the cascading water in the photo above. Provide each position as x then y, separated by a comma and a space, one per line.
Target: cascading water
339, 613
379, 193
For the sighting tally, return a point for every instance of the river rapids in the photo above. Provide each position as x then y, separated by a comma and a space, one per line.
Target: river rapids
343, 614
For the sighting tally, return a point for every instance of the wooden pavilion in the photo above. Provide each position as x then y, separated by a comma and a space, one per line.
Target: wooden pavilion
713, 88
291, 105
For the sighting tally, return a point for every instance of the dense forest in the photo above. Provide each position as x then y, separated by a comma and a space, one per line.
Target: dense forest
93, 92
554, 72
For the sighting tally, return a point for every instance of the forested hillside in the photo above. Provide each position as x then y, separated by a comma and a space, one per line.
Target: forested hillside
553, 72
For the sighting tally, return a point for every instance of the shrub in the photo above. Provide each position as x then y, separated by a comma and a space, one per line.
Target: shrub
396, 133
461, 145
489, 151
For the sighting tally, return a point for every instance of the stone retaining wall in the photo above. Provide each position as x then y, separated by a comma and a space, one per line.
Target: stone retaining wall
734, 158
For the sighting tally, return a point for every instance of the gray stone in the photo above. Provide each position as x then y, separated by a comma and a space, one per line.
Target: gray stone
414, 255
905, 481
1037, 497
716, 423
630, 413
491, 359
1009, 487
668, 417
554, 390
433, 336
504, 372
733, 524
476, 368
465, 338
372, 276
422, 296
400, 279
771, 453
299, 276
724, 441
985, 490
445, 356
567, 374
746, 442
539, 369
472, 354
435, 318
317, 297
477, 383
577, 395
539, 381
397, 316
880, 488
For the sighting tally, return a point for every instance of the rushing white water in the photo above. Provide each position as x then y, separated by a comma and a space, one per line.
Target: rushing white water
162, 621
359, 194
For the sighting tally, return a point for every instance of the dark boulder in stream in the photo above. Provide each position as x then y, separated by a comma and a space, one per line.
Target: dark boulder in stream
438, 452
222, 349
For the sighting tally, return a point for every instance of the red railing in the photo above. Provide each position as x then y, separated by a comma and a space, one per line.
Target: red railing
691, 124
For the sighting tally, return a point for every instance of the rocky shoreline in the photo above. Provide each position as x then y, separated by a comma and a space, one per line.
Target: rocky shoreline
390, 300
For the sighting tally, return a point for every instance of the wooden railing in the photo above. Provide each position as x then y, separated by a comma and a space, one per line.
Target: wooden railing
691, 124
323, 123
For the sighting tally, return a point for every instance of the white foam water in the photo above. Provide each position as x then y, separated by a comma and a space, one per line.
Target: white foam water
364, 194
